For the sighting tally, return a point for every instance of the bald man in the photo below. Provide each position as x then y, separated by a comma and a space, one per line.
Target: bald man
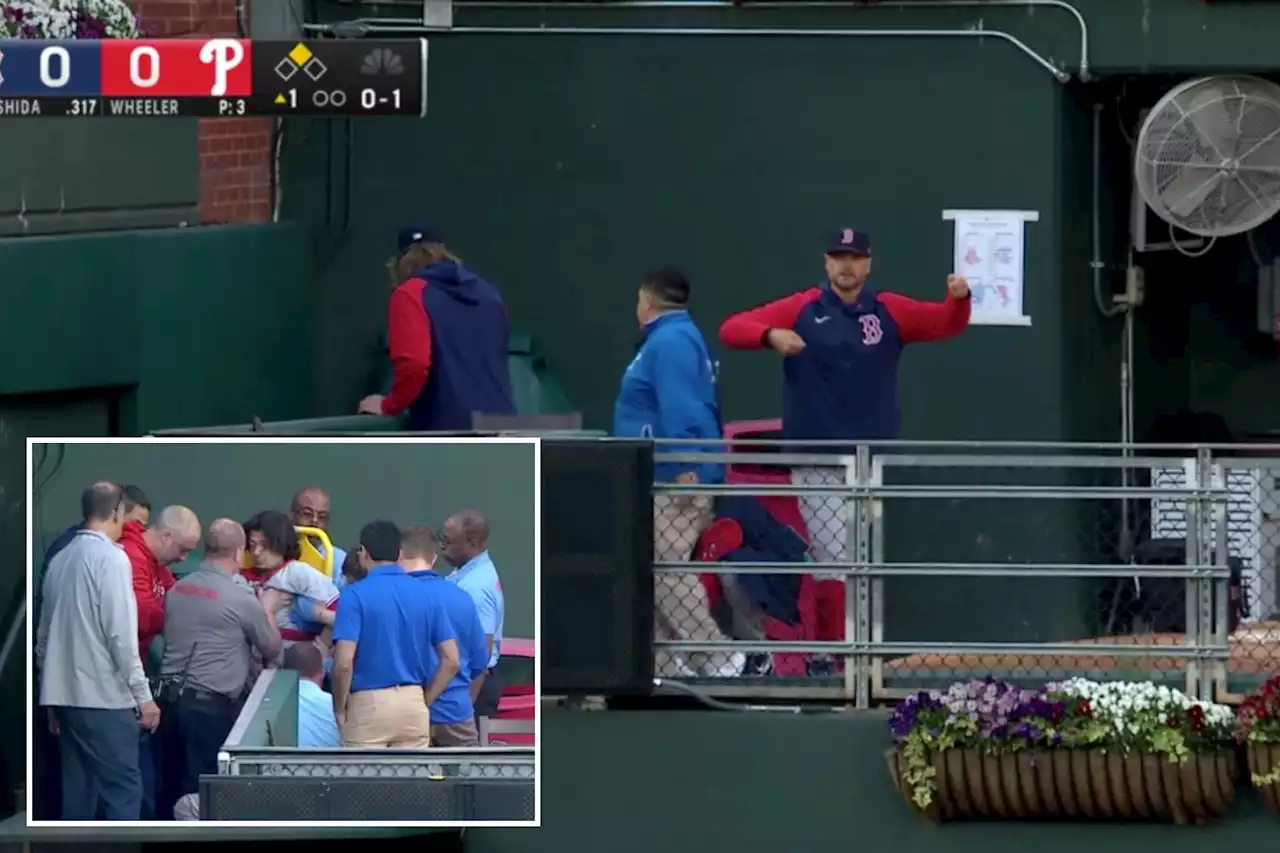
173, 534
464, 544
171, 538
310, 508
213, 628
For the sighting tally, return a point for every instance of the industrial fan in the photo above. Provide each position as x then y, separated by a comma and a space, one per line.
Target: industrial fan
1208, 155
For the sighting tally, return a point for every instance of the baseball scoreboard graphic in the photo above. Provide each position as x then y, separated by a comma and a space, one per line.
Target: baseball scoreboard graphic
217, 77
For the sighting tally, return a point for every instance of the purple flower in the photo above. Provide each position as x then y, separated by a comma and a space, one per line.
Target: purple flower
1031, 732
987, 712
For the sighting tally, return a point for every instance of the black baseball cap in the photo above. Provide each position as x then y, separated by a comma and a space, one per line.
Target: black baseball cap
848, 241
416, 232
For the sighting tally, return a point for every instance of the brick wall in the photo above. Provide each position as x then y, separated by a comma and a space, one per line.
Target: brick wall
235, 154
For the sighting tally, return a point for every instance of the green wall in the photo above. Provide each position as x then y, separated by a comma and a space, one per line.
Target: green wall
179, 327
407, 483
730, 156
699, 781
735, 177
92, 175
563, 167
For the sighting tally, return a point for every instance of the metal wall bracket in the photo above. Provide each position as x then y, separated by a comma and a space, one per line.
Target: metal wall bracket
437, 15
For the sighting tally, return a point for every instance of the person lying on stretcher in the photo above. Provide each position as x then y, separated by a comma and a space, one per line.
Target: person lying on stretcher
296, 588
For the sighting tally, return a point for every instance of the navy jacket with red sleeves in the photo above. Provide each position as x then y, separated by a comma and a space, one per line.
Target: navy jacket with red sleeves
844, 384
448, 338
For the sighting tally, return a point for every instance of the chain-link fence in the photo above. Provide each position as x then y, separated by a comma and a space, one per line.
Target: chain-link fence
263, 775
481, 763
867, 572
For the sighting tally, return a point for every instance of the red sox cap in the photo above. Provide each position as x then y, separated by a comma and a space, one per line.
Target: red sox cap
847, 241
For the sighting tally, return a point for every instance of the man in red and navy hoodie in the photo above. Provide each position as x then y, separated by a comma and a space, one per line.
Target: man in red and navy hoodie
841, 343
448, 339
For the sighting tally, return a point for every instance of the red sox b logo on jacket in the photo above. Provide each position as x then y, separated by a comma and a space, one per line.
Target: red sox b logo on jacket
871, 330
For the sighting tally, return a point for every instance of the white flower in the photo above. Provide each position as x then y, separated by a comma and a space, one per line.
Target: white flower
56, 19
1119, 705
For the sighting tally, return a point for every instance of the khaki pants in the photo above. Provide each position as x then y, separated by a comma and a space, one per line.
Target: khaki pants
394, 717
682, 612
455, 734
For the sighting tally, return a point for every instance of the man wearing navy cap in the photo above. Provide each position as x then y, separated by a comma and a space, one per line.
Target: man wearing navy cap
448, 339
841, 343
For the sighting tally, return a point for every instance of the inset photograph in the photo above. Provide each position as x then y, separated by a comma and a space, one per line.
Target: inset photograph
277, 630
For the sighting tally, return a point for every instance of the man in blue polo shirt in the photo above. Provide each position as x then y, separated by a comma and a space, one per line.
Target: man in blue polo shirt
385, 630
464, 544
453, 719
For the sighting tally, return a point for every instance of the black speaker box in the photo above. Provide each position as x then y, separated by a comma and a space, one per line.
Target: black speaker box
597, 567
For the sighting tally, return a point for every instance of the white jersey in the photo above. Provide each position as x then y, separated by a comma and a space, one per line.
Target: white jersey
301, 581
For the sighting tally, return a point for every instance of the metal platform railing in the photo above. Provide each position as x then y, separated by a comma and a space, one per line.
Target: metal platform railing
920, 555
264, 775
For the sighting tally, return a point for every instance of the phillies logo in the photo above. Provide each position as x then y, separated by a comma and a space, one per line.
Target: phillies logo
224, 55
871, 331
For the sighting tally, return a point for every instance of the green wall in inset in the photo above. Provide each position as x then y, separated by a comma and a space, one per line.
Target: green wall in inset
406, 483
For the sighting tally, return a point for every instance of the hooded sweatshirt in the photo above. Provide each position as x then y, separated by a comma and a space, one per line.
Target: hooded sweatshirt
448, 339
150, 583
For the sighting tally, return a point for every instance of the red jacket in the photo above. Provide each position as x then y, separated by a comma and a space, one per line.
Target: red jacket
150, 582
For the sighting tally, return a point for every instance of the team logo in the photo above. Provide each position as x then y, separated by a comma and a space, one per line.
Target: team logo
871, 330
846, 237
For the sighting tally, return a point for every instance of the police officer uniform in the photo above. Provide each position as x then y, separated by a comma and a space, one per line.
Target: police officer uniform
213, 628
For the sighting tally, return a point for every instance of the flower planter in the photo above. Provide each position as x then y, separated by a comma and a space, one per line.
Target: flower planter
1259, 720
1264, 761
1074, 784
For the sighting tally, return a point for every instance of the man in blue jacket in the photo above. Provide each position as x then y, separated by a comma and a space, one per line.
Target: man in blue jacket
669, 392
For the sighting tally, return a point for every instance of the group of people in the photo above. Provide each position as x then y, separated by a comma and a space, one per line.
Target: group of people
141, 675
840, 342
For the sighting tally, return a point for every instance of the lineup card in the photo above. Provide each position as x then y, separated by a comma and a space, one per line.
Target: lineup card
213, 78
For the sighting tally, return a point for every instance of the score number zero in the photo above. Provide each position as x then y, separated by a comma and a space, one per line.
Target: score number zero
211, 53
338, 99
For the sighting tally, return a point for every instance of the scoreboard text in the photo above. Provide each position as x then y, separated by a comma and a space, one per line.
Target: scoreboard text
211, 77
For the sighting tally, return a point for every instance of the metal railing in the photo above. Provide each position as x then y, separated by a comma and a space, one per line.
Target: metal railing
263, 775
926, 563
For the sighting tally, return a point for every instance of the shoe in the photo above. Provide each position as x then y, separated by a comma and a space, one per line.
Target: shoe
758, 665
821, 667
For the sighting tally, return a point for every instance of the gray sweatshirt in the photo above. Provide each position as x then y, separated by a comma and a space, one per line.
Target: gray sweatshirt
87, 640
